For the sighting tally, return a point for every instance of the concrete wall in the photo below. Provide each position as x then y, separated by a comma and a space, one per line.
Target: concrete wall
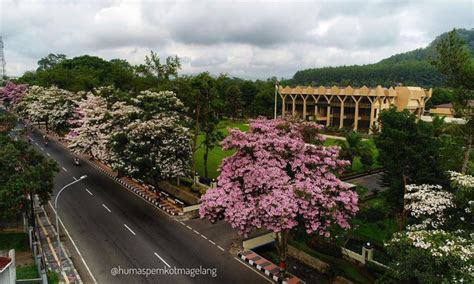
309, 260
8, 273
258, 241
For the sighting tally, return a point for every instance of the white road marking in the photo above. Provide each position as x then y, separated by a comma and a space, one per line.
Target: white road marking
212, 242
103, 205
196, 232
74, 178
246, 265
74, 244
182, 223
221, 248
189, 227
203, 236
88, 191
130, 229
48, 154
36, 144
162, 259
64, 169
41, 148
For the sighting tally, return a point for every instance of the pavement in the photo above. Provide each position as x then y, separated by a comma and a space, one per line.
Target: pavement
114, 236
373, 182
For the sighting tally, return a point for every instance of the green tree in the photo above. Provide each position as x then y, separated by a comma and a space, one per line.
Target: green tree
454, 60
24, 173
409, 154
353, 147
233, 101
50, 61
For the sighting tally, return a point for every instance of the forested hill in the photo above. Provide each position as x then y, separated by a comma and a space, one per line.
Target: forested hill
409, 68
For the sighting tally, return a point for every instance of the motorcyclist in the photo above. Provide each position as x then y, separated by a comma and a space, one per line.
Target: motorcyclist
45, 138
76, 161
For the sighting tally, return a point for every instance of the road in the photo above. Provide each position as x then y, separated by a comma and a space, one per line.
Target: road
113, 227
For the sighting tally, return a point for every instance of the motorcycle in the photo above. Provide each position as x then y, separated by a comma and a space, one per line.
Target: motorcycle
76, 161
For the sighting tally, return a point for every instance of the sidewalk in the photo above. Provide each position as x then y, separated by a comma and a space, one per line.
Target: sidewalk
54, 253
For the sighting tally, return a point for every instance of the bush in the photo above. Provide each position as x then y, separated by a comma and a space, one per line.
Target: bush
372, 214
325, 247
199, 189
375, 268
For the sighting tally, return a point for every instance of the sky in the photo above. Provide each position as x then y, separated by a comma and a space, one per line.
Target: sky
248, 39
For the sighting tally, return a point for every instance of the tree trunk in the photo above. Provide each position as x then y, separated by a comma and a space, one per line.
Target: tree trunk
467, 154
195, 138
282, 248
32, 211
401, 217
206, 153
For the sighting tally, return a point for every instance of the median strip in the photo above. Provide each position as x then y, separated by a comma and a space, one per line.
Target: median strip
130, 229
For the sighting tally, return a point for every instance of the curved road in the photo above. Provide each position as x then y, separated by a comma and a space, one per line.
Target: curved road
113, 227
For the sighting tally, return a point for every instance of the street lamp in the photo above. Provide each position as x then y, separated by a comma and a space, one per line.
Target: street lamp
57, 214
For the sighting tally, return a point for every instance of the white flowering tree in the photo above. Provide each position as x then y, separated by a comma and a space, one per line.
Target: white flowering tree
156, 144
96, 122
437, 245
51, 106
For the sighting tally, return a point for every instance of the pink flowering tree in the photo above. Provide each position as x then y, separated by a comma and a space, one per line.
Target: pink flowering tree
276, 179
12, 93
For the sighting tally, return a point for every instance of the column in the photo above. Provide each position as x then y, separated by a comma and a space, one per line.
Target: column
328, 115
372, 110
304, 107
341, 117
356, 113
293, 107
283, 105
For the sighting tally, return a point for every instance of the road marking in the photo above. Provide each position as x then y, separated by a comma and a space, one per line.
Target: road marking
64, 169
196, 232
221, 248
103, 205
212, 242
74, 178
130, 229
182, 223
203, 236
74, 244
246, 265
88, 191
189, 227
41, 148
162, 259
48, 154
36, 144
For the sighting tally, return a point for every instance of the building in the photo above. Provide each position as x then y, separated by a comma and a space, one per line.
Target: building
350, 108
447, 109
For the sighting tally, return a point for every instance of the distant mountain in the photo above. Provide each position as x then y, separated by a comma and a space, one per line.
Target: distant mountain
409, 68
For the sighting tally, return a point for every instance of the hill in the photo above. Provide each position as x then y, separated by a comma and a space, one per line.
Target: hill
409, 68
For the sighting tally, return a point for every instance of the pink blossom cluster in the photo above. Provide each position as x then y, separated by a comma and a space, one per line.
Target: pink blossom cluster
275, 179
12, 93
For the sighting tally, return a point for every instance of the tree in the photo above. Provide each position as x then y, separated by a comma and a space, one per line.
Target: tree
24, 174
275, 180
154, 68
409, 153
155, 143
51, 106
437, 244
233, 101
12, 93
50, 61
354, 146
455, 62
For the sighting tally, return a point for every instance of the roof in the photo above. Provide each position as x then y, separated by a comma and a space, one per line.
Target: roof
4, 262
450, 105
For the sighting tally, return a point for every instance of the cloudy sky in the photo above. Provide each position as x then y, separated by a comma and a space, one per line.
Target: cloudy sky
250, 39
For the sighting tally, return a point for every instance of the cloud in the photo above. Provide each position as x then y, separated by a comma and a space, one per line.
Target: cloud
252, 39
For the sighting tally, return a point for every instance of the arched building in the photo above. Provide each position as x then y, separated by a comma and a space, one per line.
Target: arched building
356, 109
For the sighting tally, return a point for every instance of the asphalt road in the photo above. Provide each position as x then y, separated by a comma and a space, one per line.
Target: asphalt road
113, 228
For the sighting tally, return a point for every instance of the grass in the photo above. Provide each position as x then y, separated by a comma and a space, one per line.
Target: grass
27, 272
17, 241
376, 232
216, 154
338, 265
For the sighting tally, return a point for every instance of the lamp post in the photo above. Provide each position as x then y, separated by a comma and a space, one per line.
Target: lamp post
276, 92
57, 214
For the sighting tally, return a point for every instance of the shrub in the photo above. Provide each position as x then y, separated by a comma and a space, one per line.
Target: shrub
325, 247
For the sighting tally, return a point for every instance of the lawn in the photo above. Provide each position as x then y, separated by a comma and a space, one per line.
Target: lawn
217, 154
27, 272
17, 241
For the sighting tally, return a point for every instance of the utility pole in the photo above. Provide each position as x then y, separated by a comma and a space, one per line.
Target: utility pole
3, 72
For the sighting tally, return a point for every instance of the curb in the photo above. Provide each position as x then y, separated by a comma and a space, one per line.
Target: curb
136, 191
271, 273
